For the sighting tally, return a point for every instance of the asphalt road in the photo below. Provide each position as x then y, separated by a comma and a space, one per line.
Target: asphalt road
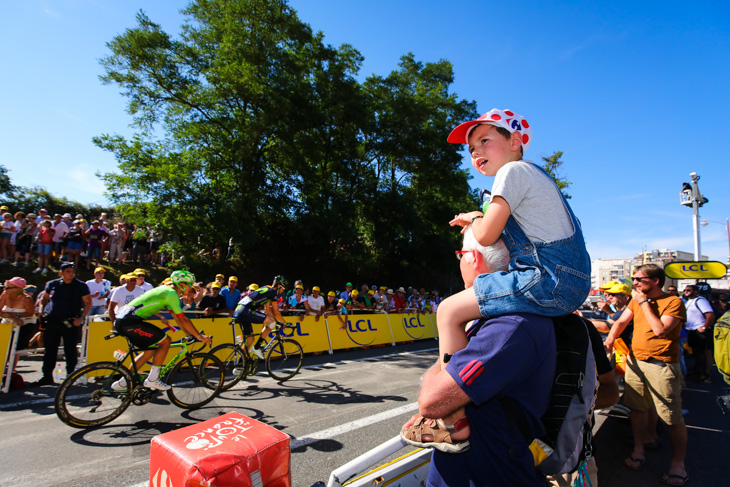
322, 409
337, 408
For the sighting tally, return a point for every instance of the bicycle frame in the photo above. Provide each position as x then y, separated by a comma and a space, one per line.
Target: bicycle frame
134, 352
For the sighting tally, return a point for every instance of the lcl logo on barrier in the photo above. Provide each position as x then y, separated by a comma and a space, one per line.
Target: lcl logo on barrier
413, 326
360, 326
296, 331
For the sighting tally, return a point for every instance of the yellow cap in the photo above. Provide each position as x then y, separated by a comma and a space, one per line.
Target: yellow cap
253, 287
608, 285
299, 286
619, 289
220, 275
341, 301
331, 293
355, 292
233, 278
316, 288
215, 284
99, 269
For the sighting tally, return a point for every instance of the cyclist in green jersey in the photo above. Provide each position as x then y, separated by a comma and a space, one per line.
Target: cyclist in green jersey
130, 322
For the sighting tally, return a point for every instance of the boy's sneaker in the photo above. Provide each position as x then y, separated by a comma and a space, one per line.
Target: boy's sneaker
118, 387
37, 270
156, 384
257, 352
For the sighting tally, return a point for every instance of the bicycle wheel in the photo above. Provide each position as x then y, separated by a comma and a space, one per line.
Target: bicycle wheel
234, 363
85, 399
195, 380
284, 359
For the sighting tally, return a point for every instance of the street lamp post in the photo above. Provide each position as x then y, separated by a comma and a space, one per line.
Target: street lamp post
704, 223
690, 196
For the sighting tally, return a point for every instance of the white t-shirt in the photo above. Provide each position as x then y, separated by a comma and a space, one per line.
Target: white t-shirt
103, 287
146, 286
61, 231
534, 201
121, 296
696, 309
315, 304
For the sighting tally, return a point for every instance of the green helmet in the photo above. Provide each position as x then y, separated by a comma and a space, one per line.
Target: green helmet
180, 277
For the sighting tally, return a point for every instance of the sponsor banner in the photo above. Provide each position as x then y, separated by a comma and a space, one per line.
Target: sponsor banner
411, 327
359, 331
695, 270
6, 335
100, 349
308, 331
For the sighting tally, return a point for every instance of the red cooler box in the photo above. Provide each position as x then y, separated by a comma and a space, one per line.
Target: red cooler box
225, 451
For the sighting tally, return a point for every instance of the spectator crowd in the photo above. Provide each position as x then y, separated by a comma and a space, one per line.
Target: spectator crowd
62, 238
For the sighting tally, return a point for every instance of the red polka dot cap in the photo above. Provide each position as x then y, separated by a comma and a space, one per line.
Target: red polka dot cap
506, 119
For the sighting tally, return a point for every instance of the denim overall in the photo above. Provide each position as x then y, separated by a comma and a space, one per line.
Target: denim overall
544, 278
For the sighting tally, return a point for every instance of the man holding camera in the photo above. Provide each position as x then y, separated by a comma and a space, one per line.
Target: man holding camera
70, 303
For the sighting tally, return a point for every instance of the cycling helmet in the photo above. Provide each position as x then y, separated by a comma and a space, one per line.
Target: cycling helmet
280, 280
182, 277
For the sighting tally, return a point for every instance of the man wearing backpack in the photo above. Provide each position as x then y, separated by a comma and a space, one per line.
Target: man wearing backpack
653, 372
700, 318
494, 363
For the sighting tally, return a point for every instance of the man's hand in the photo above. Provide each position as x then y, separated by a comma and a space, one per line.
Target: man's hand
608, 344
410, 422
638, 296
205, 339
78, 321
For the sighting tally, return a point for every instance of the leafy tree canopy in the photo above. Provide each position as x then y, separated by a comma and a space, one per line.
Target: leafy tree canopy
552, 166
249, 126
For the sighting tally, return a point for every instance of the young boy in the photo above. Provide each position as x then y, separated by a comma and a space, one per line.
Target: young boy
549, 271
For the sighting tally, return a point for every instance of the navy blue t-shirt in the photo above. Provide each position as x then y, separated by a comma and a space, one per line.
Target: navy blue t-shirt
66, 299
510, 355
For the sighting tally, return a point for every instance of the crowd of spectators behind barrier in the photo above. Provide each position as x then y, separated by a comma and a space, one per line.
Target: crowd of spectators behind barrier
25, 237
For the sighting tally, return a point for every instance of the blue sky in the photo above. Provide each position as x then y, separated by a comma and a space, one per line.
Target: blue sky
634, 93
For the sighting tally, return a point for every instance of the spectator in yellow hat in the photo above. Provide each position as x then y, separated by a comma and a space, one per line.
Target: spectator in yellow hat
231, 294
314, 304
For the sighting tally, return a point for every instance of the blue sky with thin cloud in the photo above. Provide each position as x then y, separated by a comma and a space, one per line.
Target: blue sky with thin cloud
634, 93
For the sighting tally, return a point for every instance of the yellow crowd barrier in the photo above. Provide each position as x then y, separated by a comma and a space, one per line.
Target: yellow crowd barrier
314, 335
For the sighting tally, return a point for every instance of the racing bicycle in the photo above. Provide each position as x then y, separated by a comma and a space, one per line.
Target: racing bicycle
86, 398
283, 356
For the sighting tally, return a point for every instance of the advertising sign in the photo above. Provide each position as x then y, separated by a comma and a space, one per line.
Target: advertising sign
695, 270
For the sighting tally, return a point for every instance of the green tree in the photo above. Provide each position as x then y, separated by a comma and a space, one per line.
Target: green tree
249, 126
553, 165
6, 186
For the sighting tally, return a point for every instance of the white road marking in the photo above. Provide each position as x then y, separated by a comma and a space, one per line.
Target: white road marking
352, 425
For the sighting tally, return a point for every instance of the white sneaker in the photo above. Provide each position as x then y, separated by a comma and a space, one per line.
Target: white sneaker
45, 271
257, 352
15, 264
156, 384
37, 270
2, 261
118, 387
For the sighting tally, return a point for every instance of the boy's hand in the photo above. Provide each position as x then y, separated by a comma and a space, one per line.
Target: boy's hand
464, 219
